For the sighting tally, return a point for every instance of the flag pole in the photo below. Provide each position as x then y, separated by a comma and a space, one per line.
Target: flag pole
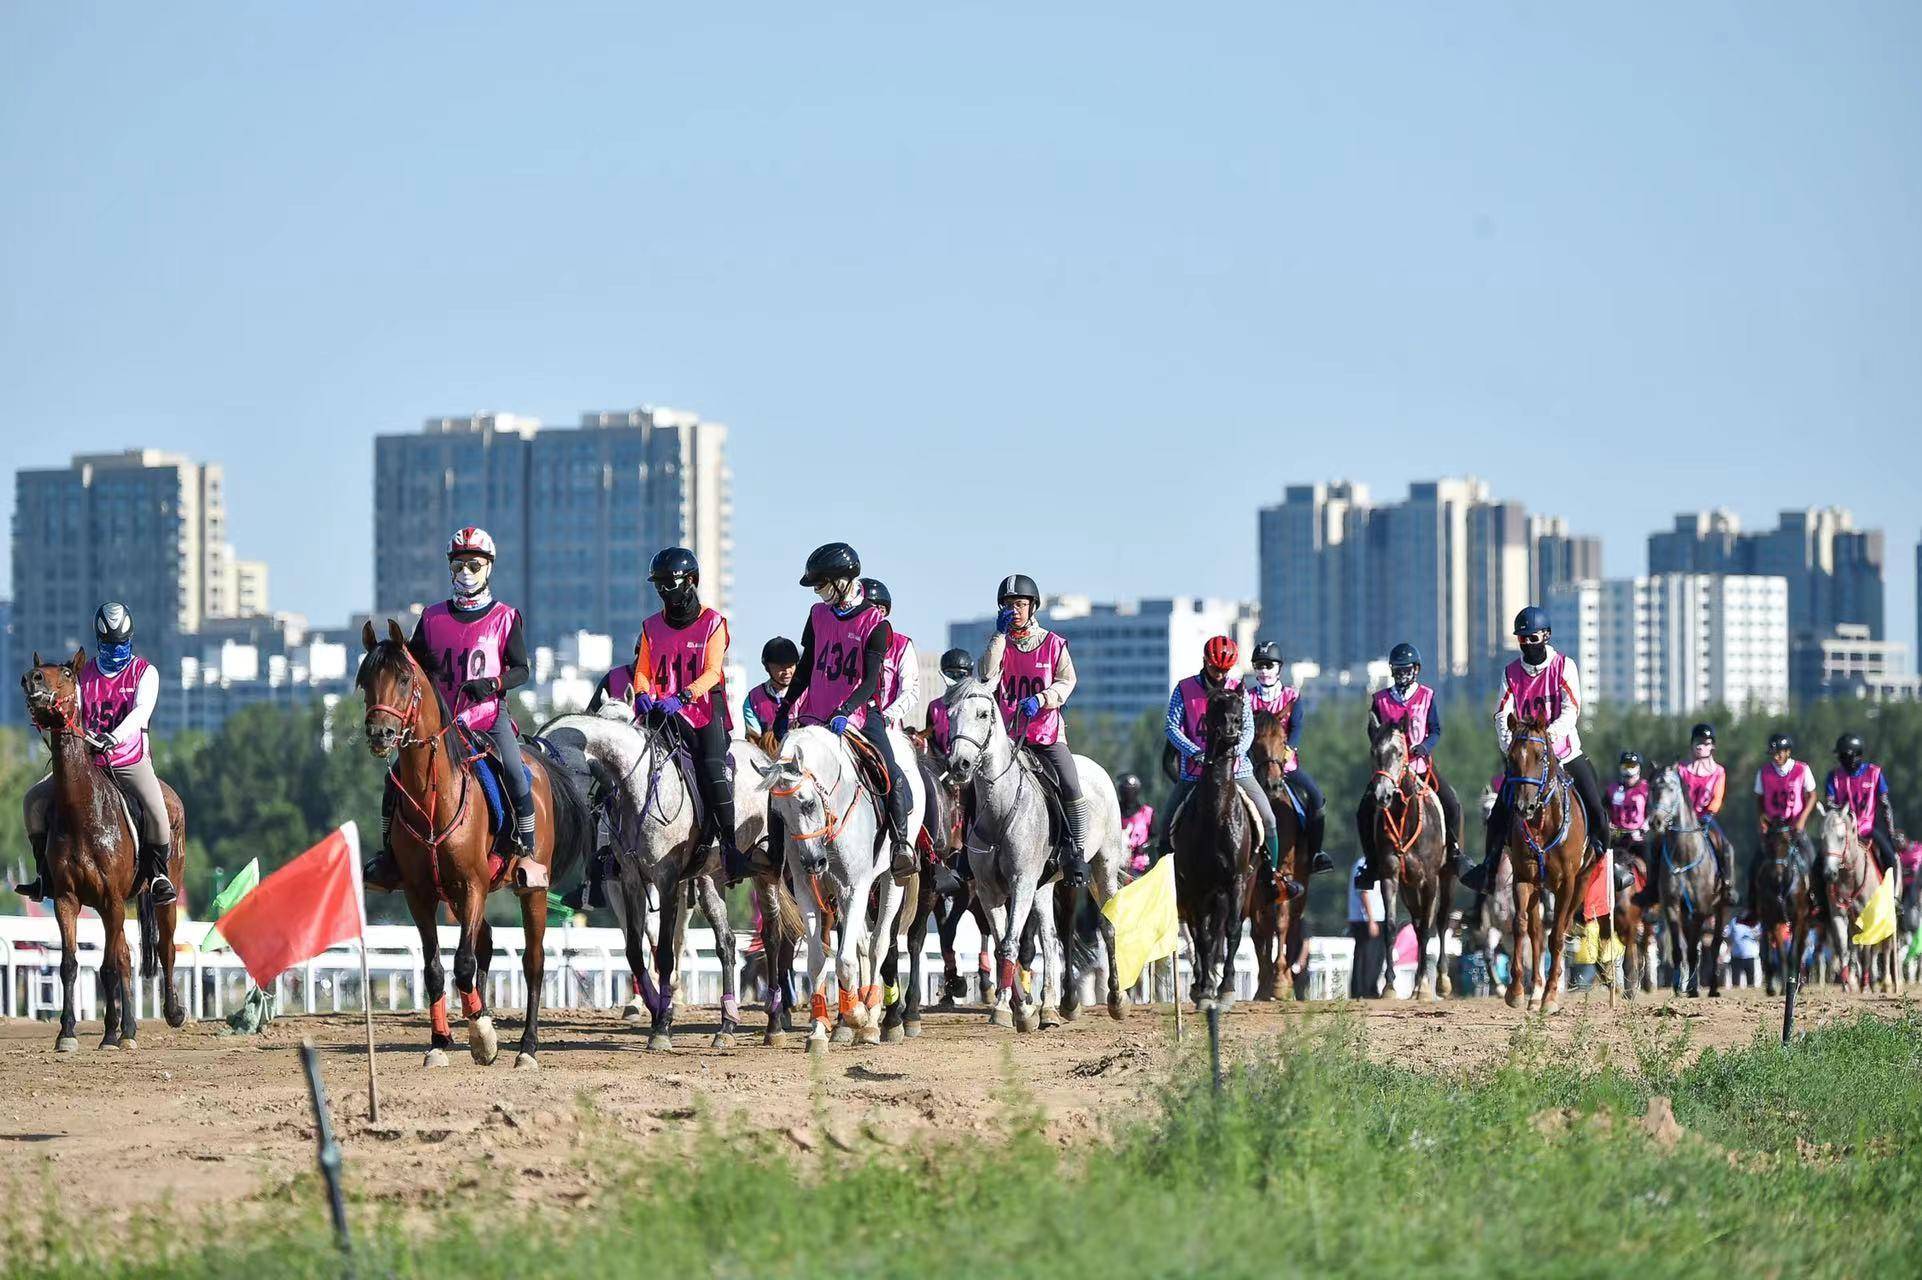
352, 832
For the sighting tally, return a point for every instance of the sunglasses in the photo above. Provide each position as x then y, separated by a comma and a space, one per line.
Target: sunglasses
1533, 637
472, 565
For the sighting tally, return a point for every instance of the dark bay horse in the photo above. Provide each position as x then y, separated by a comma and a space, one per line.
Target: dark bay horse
441, 840
1215, 839
1407, 847
1781, 903
91, 862
1548, 850
1691, 887
1276, 923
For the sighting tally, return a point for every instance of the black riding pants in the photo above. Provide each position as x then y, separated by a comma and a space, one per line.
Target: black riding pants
708, 744
507, 749
1060, 762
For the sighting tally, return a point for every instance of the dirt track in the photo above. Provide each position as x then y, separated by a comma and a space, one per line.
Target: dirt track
209, 1119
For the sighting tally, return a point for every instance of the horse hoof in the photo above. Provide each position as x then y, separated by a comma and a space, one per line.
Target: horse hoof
844, 1034
482, 1042
911, 1029
774, 1040
176, 1017
722, 1040
818, 1046
660, 1042
868, 1035
634, 1011
1433, 997
1715, 993
1550, 1007
1514, 999
67, 1044
1049, 1021
435, 1058
999, 1017
1028, 1022
1117, 1010
130, 1044
526, 1062
1070, 1014
892, 1034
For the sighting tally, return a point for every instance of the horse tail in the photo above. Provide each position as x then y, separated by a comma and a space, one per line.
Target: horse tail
781, 923
567, 774
149, 936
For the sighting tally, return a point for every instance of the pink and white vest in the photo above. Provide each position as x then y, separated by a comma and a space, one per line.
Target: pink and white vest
105, 701
1540, 696
1701, 787
1194, 718
764, 705
466, 651
939, 731
1858, 792
1028, 675
1137, 827
1411, 716
679, 655
1785, 795
620, 683
1628, 805
890, 687
839, 644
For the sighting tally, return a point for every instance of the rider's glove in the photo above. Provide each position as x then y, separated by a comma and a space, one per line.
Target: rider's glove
100, 742
643, 703
670, 705
479, 689
1030, 707
839, 724
1004, 622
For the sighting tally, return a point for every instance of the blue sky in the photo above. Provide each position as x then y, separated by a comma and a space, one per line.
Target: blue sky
980, 287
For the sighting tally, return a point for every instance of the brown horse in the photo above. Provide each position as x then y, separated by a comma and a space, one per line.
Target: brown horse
440, 840
1407, 843
1633, 928
1276, 923
1548, 848
91, 862
1781, 898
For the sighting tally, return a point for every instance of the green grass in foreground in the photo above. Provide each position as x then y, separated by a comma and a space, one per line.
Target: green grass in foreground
1314, 1161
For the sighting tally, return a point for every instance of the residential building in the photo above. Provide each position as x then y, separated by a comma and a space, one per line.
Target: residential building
1853, 664
1312, 568
1560, 556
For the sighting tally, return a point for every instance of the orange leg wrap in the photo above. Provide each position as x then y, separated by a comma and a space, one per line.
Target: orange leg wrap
871, 997
437, 1014
847, 1002
470, 1002
819, 1007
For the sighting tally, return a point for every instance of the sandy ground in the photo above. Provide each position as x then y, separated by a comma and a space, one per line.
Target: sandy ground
209, 1120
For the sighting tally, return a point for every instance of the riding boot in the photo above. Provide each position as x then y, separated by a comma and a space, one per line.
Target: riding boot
156, 857
381, 871
906, 857
36, 888
1724, 862
524, 831
1074, 862
946, 882
1317, 831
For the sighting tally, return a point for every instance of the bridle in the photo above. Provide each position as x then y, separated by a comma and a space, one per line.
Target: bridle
69, 722
1400, 837
408, 718
981, 745
834, 825
1553, 784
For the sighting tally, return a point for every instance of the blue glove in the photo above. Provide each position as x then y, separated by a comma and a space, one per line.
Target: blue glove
1004, 622
643, 703
670, 705
839, 724
1030, 708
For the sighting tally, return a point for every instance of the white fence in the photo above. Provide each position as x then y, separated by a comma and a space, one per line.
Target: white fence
586, 968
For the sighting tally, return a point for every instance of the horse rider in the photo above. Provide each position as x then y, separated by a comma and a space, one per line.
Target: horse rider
1410, 705
1858, 785
1705, 780
1542, 684
779, 658
1187, 730
1137, 821
1784, 793
844, 649
1268, 694
956, 665
118, 690
474, 649
1628, 818
1034, 674
900, 694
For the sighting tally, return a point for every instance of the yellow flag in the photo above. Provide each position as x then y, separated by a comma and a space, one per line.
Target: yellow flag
1591, 949
1877, 921
1146, 924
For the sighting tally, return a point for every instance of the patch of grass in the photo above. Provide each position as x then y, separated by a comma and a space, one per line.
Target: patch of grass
1312, 1160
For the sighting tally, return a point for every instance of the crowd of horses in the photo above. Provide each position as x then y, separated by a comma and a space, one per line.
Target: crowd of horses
839, 890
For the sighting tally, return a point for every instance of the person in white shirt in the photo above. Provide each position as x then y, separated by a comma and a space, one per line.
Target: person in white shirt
1365, 927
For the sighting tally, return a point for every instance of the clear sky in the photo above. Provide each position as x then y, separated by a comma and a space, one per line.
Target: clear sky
982, 289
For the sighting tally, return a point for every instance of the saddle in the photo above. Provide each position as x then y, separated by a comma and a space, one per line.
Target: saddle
478, 749
1247, 802
875, 780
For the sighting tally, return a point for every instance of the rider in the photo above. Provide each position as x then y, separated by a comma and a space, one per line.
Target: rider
900, 694
1785, 793
956, 665
1283, 701
1035, 675
1706, 782
1544, 685
1859, 786
844, 650
1137, 821
779, 658
1187, 729
1411, 704
118, 690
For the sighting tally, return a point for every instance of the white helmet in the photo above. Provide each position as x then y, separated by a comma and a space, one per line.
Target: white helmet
471, 541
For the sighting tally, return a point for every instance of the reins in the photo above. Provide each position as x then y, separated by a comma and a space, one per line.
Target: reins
409, 719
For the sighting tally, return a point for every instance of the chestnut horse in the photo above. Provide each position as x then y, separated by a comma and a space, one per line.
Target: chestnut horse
91, 862
1548, 849
440, 840
1276, 923
1407, 841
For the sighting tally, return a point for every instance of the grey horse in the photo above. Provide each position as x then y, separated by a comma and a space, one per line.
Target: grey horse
1690, 883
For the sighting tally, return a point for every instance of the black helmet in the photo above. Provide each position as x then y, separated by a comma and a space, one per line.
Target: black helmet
780, 652
877, 593
112, 624
672, 564
1703, 732
1015, 586
1780, 741
830, 562
1266, 651
957, 664
1849, 747
1128, 782
1533, 618
1404, 655
1631, 758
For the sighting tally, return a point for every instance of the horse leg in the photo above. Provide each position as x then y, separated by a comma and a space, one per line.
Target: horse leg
1521, 975
917, 943
946, 922
534, 973
482, 1042
67, 912
878, 947
630, 899
847, 960
120, 1029
714, 911
422, 909
815, 917
1008, 979
1225, 994
1568, 900
667, 967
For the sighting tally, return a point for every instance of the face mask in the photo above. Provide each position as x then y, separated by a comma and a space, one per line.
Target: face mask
1703, 750
1535, 654
1268, 675
110, 658
829, 592
1404, 681
679, 596
1631, 776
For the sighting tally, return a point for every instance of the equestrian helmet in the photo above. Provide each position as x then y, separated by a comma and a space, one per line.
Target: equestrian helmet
112, 624
1017, 586
1404, 655
1532, 619
1703, 732
1267, 651
671, 564
1849, 747
1220, 653
780, 652
831, 562
471, 541
877, 593
957, 664
1779, 741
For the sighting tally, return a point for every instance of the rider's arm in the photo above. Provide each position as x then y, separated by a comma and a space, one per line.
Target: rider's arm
1064, 681
1427, 745
600, 694
873, 657
1294, 722
1504, 707
1181, 740
146, 694
417, 645
1567, 723
1715, 797
1246, 741
802, 670
751, 723
907, 689
514, 665
713, 664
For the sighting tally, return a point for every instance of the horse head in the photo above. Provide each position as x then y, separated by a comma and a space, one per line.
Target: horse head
1269, 753
403, 707
1531, 763
1388, 746
974, 727
1222, 720
1837, 833
53, 692
1668, 802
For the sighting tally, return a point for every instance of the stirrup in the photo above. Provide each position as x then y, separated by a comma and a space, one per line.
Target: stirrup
34, 890
162, 889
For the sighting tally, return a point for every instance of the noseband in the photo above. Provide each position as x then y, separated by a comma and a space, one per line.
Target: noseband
981, 745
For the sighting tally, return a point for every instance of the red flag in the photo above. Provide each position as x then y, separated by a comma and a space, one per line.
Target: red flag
300, 910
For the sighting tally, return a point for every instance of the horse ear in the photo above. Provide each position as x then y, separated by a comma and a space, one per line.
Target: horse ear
393, 632
1514, 724
79, 660
367, 635
36, 659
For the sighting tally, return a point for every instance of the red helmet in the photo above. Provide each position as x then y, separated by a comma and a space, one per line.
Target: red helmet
1221, 653
470, 541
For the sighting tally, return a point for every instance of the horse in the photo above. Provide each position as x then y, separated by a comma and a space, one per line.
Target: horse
1276, 925
1011, 813
942, 824
1634, 929
947, 825
837, 846
1781, 904
1690, 883
441, 841
92, 861
1548, 850
1408, 854
1216, 837
1853, 878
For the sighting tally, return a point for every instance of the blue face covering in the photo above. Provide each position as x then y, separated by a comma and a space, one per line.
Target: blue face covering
110, 658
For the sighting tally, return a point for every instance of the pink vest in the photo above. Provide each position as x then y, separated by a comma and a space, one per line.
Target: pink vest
838, 646
679, 655
1028, 675
1783, 797
1628, 806
1539, 696
938, 730
1138, 826
1701, 786
105, 701
765, 706
1411, 716
466, 651
1194, 718
1858, 792
890, 687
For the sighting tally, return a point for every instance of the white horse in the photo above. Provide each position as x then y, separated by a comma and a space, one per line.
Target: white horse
1853, 878
838, 858
1008, 847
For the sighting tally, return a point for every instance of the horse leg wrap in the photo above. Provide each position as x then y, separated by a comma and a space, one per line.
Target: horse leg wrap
470, 1002
846, 1009
437, 1015
1009, 972
818, 1006
871, 996
730, 1008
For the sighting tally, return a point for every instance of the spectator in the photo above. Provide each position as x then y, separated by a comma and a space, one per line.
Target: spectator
1744, 952
1364, 926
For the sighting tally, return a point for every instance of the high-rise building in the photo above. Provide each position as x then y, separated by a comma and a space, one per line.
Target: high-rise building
572, 510
1560, 556
1675, 643
1853, 664
1312, 583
